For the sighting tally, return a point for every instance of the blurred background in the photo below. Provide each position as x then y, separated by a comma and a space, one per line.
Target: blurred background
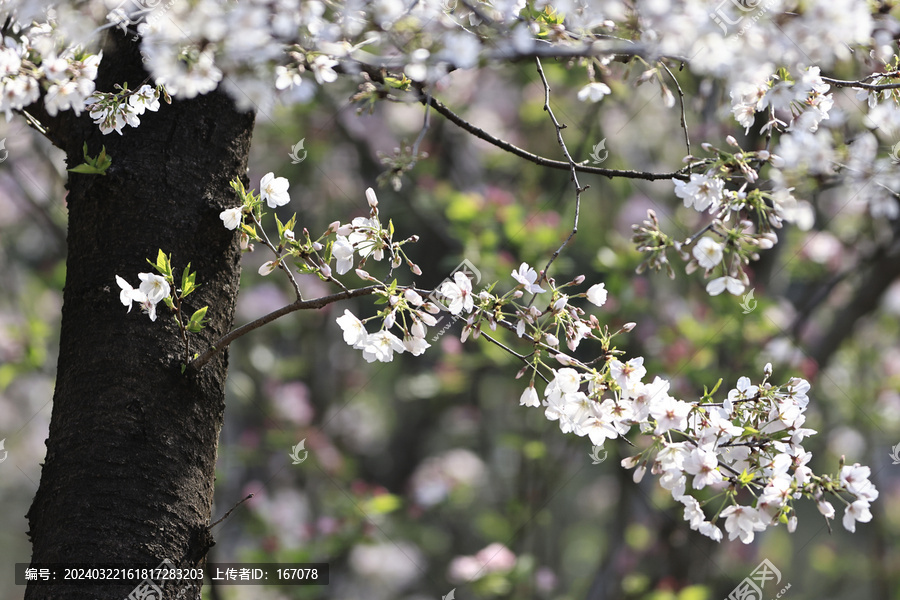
421, 469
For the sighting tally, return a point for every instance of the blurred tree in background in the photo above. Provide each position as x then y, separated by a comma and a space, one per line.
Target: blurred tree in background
424, 474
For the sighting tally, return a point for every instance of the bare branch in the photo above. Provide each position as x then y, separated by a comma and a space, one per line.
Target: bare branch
562, 143
867, 86
540, 160
299, 304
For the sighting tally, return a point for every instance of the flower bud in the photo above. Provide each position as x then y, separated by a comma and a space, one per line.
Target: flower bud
518, 294
325, 270
371, 198
362, 274
578, 280
628, 326
639, 473
267, 267
317, 246
335, 225
630, 462
415, 269
413, 297
731, 141
563, 359
288, 235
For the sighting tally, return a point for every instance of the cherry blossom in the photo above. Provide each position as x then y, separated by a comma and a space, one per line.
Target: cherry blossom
597, 294
593, 92
274, 190
459, 293
231, 217
701, 192
708, 252
154, 287
734, 286
856, 511
526, 276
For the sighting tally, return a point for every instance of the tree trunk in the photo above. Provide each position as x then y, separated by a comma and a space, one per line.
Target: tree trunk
131, 455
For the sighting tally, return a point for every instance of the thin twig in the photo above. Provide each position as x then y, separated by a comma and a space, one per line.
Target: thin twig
687, 138
425, 125
281, 265
225, 516
572, 167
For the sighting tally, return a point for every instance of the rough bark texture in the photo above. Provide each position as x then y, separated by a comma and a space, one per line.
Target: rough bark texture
131, 454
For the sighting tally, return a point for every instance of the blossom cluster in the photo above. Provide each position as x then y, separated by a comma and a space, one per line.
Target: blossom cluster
31, 63
745, 451
365, 237
113, 111
152, 290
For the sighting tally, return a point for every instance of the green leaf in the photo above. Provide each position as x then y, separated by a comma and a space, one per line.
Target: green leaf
199, 315
93, 166
87, 170
382, 504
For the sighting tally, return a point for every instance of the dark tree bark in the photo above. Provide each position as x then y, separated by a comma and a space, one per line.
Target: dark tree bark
130, 465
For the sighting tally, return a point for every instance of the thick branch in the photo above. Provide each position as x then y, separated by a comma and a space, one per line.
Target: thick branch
883, 273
